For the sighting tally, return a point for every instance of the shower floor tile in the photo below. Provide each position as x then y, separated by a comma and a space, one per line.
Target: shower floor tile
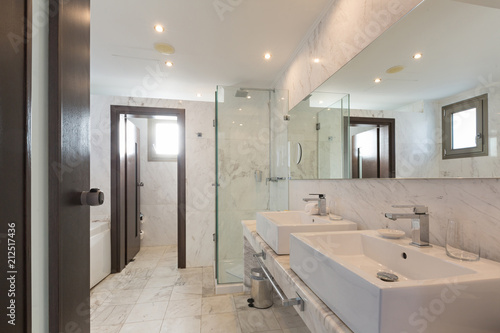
152, 295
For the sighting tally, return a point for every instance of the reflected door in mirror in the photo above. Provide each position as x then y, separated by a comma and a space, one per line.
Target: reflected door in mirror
370, 153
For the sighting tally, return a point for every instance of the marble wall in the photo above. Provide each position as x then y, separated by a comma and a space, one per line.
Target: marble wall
158, 195
200, 219
347, 28
366, 201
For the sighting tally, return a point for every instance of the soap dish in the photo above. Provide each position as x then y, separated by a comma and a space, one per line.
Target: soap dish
391, 233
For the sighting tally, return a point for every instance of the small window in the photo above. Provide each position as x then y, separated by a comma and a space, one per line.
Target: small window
465, 128
163, 139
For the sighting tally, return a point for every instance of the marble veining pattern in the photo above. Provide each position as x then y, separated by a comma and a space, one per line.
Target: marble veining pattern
366, 201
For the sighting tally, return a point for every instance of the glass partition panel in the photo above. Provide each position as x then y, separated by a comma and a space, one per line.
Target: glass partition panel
251, 167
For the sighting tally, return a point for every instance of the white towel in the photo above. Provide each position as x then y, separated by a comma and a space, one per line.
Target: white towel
311, 208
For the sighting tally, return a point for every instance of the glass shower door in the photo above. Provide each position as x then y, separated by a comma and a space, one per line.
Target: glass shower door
243, 155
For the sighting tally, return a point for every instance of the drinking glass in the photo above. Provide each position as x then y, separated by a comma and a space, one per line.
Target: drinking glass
462, 241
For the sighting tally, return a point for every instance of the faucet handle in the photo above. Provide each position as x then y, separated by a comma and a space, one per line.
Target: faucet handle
417, 209
321, 195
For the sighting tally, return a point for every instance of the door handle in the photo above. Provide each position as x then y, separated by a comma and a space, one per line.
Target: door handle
94, 197
141, 184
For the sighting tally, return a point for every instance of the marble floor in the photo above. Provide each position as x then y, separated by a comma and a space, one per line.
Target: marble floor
151, 295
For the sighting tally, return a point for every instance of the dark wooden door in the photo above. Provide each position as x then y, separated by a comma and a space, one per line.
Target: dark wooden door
370, 153
365, 154
133, 191
386, 147
69, 150
15, 116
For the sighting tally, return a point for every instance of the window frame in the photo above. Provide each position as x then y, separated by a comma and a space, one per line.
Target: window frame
480, 103
152, 155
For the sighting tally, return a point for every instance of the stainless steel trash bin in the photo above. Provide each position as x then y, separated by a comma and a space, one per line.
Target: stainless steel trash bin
262, 290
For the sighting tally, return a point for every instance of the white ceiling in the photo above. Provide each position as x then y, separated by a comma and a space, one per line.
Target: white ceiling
460, 42
217, 42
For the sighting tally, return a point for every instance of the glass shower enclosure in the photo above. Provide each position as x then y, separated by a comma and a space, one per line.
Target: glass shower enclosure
251, 167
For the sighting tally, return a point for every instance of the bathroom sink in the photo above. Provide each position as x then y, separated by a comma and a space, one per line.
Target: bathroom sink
433, 293
275, 227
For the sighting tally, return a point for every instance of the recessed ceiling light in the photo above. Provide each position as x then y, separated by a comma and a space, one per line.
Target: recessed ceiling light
198, 95
249, 96
241, 124
159, 28
417, 56
240, 109
320, 102
267, 56
169, 63
316, 60
378, 80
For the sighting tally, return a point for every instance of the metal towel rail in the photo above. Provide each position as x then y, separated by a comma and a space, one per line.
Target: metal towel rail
284, 300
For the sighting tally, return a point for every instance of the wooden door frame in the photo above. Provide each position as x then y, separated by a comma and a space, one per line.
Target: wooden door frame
391, 122
117, 220
15, 176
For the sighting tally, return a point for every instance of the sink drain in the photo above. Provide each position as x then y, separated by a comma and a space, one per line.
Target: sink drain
387, 277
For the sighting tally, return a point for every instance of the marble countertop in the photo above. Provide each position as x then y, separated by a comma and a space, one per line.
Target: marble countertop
317, 316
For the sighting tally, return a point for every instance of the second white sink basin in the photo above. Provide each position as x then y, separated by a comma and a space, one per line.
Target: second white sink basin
433, 293
275, 227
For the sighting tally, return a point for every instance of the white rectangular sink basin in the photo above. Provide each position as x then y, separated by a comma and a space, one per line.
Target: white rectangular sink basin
434, 293
275, 227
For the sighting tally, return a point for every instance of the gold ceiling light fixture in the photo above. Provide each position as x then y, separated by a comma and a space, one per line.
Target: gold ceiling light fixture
417, 56
377, 80
164, 48
169, 63
267, 56
394, 69
159, 28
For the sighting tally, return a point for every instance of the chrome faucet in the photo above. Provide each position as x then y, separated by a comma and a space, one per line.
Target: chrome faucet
321, 203
419, 223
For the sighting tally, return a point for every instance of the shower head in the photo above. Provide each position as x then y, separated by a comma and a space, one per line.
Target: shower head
241, 93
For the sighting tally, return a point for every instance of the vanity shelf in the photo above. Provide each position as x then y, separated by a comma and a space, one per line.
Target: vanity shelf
317, 316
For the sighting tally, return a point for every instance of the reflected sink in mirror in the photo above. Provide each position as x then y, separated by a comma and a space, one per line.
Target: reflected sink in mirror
432, 292
275, 227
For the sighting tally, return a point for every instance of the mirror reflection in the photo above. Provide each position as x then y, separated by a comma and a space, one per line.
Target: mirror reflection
404, 89
317, 133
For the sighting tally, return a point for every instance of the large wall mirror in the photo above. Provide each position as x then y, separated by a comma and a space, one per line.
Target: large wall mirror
400, 89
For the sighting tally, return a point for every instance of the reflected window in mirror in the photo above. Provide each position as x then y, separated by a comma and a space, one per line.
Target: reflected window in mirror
465, 128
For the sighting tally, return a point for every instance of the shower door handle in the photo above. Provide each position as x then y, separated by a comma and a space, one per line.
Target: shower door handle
141, 184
